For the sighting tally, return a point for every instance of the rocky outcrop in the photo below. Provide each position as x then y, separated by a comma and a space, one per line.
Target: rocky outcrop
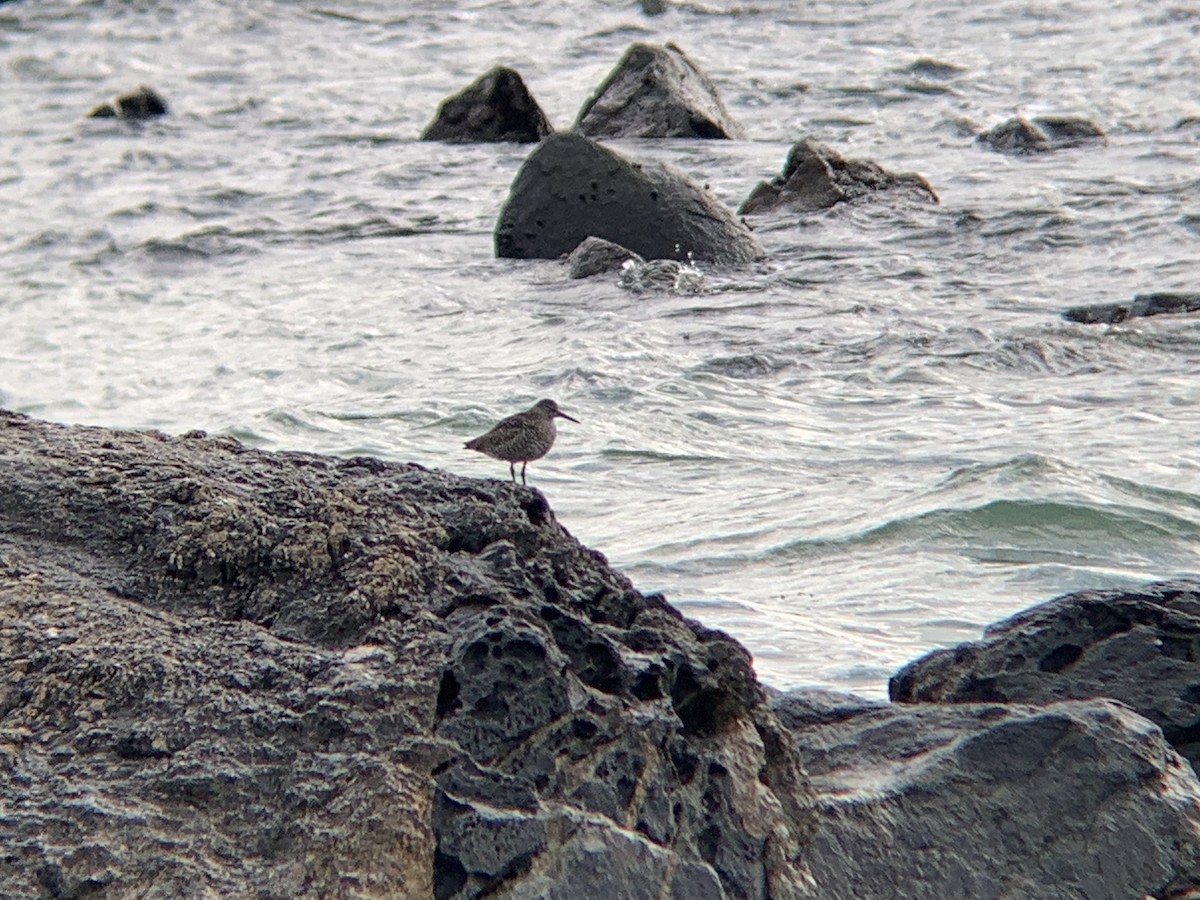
231, 672
495, 107
1041, 134
1141, 647
1066, 800
656, 92
816, 176
142, 103
595, 256
570, 188
1154, 304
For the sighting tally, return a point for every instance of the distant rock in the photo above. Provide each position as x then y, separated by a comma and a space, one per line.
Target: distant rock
495, 107
571, 188
816, 176
227, 672
1154, 304
1141, 647
595, 255
929, 67
142, 103
656, 92
1042, 134
1057, 801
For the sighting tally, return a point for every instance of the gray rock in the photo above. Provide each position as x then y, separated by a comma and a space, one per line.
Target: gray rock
495, 107
142, 103
816, 176
571, 188
1041, 134
656, 92
1073, 799
229, 672
1141, 647
1153, 304
595, 255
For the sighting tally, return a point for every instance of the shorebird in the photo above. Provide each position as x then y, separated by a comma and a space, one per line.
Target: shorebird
523, 437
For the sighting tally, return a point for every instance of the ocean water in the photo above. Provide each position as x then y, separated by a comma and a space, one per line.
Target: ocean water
872, 443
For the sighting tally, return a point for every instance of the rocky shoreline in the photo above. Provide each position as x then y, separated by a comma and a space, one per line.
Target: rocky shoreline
241, 673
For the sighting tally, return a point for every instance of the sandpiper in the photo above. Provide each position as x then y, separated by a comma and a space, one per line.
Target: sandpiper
523, 437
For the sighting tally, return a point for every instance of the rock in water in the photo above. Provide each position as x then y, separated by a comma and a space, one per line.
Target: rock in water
657, 92
1041, 134
571, 188
816, 176
230, 672
495, 107
139, 104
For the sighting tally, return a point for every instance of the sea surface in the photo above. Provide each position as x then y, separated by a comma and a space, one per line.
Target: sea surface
875, 442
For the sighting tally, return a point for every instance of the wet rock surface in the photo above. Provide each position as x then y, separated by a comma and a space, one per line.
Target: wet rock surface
1070, 799
496, 107
595, 256
140, 103
815, 176
656, 92
289, 675
1141, 647
1041, 134
1153, 304
571, 188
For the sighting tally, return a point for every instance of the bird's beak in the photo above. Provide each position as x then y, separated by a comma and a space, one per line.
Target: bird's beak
565, 416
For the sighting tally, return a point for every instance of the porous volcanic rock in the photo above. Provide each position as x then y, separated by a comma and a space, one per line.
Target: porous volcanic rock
815, 176
656, 92
1141, 647
1041, 134
141, 103
495, 107
1154, 304
1067, 800
230, 672
571, 188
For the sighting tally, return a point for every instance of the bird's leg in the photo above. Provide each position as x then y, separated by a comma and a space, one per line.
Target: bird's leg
523, 465
513, 472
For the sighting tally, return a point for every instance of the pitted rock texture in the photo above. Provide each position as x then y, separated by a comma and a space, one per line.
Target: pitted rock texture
1141, 647
235, 672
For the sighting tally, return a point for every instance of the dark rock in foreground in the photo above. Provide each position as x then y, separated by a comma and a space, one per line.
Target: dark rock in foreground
816, 176
1155, 304
239, 673
656, 92
495, 107
142, 103
1141, 647
571, 188
595, 255
1041, 134
1067, 800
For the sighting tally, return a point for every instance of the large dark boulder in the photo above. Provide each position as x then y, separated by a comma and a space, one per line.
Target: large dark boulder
1061, 801
495, 107
1141, 647
815, 176
1153, 304
1041, 134
656, 92
135, 105
571, 188
231, 672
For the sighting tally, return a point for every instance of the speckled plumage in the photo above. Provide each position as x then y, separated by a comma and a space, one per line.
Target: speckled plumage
523, 437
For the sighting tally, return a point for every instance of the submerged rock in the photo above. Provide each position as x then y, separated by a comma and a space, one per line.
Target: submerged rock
656, 92
1154, 304
571, 188
231, 672
1066, 800
1041, 134
1141, 647
595, 255
495, 107
816, 176
142, 103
